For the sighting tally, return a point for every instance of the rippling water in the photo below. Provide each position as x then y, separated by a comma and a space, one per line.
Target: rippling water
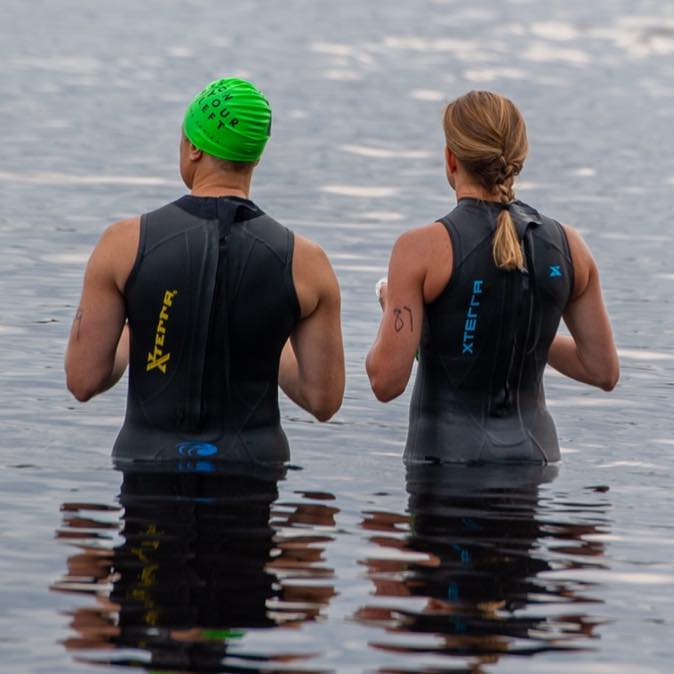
346, 562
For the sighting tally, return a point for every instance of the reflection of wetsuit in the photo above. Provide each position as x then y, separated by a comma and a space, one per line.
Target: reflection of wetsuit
480, 523
210, 303
213, 525
478, 394
202, 557
482, 528
191, 573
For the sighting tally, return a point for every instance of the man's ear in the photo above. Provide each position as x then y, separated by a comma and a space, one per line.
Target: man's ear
195, 153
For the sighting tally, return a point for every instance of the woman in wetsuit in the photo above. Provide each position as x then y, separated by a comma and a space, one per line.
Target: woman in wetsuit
479, 294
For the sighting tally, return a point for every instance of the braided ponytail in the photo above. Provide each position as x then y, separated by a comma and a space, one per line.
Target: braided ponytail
487, 134
506, 249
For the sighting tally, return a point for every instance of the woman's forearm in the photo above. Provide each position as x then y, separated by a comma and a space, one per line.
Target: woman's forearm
566, 359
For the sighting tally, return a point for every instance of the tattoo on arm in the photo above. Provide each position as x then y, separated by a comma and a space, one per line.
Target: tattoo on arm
409, 311
78, 322
399, 323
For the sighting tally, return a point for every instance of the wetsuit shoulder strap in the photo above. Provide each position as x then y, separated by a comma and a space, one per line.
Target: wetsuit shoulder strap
455, 240
156, 228
560, 262
280, 241
466, 234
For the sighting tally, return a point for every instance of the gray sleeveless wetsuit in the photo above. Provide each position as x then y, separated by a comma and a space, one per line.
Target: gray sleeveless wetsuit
210, 303
478, 395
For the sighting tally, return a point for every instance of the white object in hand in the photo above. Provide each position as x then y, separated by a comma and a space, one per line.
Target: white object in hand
379, 285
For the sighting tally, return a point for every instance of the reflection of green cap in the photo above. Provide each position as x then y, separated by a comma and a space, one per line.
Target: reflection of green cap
230, 119
222, 635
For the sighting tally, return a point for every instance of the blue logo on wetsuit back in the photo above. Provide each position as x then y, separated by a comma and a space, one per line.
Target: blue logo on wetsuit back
555, 271
470, 326
194, 449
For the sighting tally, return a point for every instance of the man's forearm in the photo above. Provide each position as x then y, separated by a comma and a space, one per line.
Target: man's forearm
121, 360
289, 376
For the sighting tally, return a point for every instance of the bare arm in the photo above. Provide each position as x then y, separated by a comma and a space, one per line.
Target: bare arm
98, 347
311, 371
410, 284
589, 355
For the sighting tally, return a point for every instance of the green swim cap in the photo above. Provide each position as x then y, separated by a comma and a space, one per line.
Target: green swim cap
229, 119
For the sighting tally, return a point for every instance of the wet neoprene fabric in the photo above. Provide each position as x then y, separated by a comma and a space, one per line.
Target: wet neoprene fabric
210, 304
478, 394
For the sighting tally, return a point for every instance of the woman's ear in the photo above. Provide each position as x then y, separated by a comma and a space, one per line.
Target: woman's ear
450, 161
451, 167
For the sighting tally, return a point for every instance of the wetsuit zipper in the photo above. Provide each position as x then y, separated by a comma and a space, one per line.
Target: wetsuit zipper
220, 300
504, 407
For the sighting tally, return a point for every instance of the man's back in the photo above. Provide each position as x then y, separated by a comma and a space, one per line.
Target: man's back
210, 303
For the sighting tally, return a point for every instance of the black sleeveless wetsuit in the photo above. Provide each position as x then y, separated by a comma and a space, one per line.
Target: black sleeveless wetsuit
478, 394
210, 303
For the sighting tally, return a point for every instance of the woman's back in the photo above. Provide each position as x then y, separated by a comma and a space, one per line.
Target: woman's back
479, 395
489, 284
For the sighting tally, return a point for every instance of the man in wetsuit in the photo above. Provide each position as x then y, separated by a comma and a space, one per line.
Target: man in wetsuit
211, 303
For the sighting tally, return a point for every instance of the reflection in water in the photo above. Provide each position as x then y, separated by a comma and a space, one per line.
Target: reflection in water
200, 559
464, 573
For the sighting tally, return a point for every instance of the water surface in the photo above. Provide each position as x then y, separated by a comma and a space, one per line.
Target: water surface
346, 562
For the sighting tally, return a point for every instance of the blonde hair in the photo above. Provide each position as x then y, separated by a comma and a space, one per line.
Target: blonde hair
487, 134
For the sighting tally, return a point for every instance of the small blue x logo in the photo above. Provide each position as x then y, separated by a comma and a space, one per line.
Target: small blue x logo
555, 271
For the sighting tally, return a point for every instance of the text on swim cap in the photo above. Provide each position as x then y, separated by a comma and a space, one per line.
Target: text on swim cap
217, 107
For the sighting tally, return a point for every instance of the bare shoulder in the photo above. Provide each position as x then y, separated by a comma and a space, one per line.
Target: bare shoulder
116, 250
308, 252
424, 254
313, 275
584, 266
422, 248
424, 239
310, 262
120, 235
